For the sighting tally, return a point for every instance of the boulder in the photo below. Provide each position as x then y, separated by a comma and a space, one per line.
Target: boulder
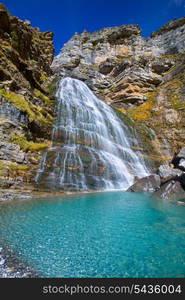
178, 160
146, 184
166, 173
182, 163
181, 179
172, 191
181, 153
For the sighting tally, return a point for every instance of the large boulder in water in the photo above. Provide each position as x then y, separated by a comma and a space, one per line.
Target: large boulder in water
148, 184
171, 190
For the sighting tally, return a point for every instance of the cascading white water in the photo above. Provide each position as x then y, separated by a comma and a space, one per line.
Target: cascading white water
91, 147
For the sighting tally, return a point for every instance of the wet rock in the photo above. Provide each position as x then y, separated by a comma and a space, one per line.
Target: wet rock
178, 160
181, 154
146, 184
172, 191
166, 172
182, 163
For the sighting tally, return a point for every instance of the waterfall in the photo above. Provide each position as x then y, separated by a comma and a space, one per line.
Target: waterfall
91, 145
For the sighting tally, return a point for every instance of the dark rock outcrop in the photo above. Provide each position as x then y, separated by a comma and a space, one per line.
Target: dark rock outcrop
171, 191
167, 173
147, 184
167, 184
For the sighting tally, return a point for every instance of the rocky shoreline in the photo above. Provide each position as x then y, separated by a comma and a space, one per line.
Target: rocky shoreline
11, 195
11, 266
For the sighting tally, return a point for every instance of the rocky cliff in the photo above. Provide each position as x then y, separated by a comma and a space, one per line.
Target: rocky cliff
26, 100
142, 78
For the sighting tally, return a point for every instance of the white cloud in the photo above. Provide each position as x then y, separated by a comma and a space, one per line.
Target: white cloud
178, 2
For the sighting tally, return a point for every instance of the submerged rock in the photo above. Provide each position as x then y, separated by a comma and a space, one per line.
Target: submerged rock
146, 184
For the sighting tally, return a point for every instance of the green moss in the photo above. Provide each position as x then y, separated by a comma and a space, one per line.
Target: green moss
173, 90
170, 56
43, 77
145, 140
43, 116
20, 140
18, 167
14, 39
34, 112
142, 130
2, 165
51, 88
26, 145
19, 102
37, 147
43, 97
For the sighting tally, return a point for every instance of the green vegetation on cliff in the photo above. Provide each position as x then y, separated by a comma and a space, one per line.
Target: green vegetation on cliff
29, 145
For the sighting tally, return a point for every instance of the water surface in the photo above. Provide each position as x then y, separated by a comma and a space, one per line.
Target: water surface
108, 234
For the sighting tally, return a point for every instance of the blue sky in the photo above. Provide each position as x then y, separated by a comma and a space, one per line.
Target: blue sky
64, 17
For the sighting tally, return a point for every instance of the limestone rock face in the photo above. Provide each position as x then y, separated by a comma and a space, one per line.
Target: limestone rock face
118, 63
142, 77
26, 103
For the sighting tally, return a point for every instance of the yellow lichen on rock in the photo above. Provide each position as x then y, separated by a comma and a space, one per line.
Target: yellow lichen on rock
141, 112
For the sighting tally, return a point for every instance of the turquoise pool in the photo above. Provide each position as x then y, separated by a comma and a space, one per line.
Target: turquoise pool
108, 234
